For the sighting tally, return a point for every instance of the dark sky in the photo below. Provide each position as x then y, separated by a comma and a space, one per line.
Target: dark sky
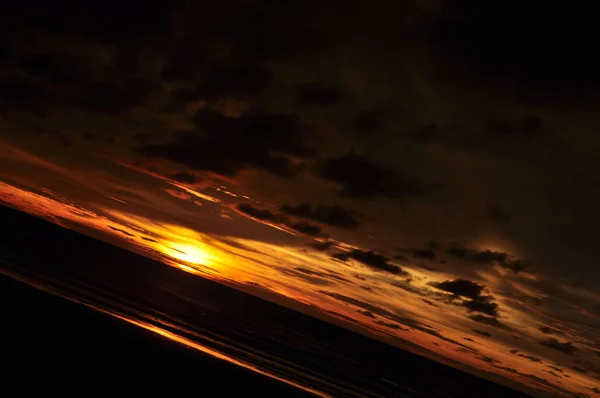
436, 159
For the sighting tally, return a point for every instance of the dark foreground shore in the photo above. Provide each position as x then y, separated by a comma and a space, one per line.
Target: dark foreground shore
52, 345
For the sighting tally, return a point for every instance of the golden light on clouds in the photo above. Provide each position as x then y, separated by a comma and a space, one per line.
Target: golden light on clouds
197, 194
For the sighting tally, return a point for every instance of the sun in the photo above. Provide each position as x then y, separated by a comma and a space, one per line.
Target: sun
189, 253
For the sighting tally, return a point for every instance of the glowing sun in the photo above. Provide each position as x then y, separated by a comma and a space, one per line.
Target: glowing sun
189, 253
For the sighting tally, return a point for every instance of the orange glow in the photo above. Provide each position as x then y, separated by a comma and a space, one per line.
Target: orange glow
196, 193
188, 253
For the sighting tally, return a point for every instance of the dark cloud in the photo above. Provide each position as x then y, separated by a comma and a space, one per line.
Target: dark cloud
547, 330
483, 305
21, 91
362, 178
461, 287
260, 214
182, 66
240, 34
504, 260
108, 21
546, 383
528, 129
64, 140
508, 369
149, 239
371, 259
121, 231
341, 316
239, 80
52, 68
335, 216
401, 258
472, 290
306, 228
226, 145
321, 246
424, 254
496, 213
431, 133
306, 271
426, 133
373, 121
496, 136
113, 96
432, 245
555, 368
306, 275
228, 58
324, 274
378, 311
366, 313
242, 80
553, 374
185, 178
565, 347
257, 285
459, 252
139, 138
590, 366
532, 52
279, 218
265, 30
482, 332
491, 321
316, 95
430, 303
487, 359
530, 357
179, 194
488, 256
515, 266
469, 339
390, 325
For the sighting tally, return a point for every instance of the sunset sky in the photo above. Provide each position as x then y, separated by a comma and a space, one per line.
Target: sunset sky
425, 172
